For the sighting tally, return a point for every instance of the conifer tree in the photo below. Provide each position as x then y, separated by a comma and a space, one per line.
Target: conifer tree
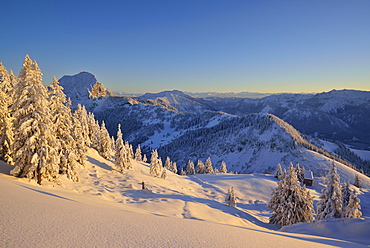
346, 193
358, 182
6, 121
230, 197
174, 167
300, 173
279, 171
35, 146
63, 126
144, 158
223, 168
105, 142
290, 203
83, 117
155, 164
209, 168
78, 136
330, 204
138, 153
352, 210
120, 156
201, 169
182, 172
94, 130
190, 168
164, 173
168, 164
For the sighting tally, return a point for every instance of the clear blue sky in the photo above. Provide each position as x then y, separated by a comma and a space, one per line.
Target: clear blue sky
203, 45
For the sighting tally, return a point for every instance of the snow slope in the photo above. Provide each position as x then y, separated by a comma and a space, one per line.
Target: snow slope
109, 209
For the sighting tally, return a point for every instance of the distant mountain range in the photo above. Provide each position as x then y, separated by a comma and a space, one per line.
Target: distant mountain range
250, 135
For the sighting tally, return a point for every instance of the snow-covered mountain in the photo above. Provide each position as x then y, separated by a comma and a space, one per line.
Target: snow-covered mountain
184, 128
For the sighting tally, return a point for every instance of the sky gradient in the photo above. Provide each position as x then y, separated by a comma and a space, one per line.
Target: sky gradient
223, 46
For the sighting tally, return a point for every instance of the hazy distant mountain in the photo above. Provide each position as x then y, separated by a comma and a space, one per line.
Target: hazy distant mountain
229, 129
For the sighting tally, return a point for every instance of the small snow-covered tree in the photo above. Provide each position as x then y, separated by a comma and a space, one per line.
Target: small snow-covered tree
190, 168
201, 169
230, 198
300, 173
35, 145
352, 210
346, 193
174, 167
330, 204
138, 153
120, 156
279, 171
105, 143
164, 173
155, 164
209, 168
144, 158
168, 164
94, 130
290, 203
182, 172
358, 182
223, 168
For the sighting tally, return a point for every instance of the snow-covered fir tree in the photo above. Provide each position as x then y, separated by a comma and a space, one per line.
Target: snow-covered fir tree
35, 145
120, 155
223, 168
105, 142
6, 120
83, 117
208, 165
138, 153
174, 167
279, 171
230, 198
352, 210
77, 134
168, 164
201, 169
330, 204
346, 193
94, 130
182, 172
155, 164
358, 182
290, 203
164, 173
144, 158
190, 168
63, 126
300, 173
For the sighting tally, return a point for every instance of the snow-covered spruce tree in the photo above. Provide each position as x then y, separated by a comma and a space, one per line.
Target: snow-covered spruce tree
330, 204
182, 172
6, 120
120, 156
174, 167
209, 168
154, 168
130, 151
144, 158
138, 153
346, 193
168, 164
164, 173
279, 171
190, 168
78, 136
201, 169
94, 130
300, 173
83, 117
223, 168
105, 142
230, 198
352, 210
35, 145
358, 182
62, 129
290, 203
